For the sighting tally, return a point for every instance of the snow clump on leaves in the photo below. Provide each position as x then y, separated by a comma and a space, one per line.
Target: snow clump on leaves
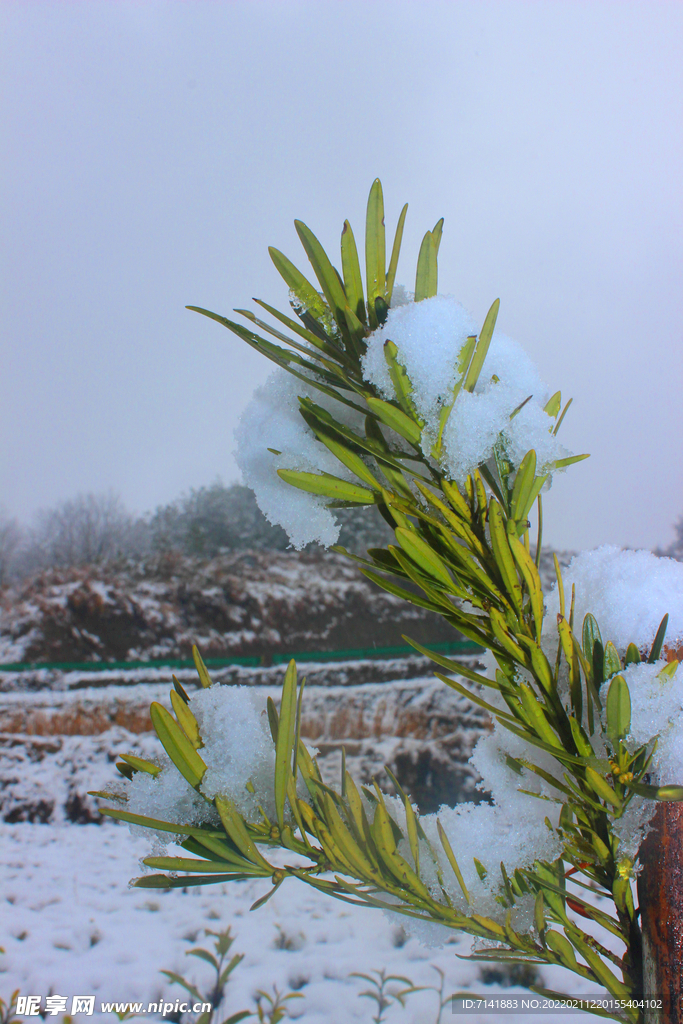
272, 420
511, 829
430, 336
238, 747
628, 592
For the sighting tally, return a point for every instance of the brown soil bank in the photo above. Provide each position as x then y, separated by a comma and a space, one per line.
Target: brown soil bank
246, 603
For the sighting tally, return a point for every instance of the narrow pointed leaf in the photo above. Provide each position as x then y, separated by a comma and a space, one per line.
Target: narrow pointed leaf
307, 295
396, 419
426, 278
423, 555
186, 720
375, 249
328, 278
395, 252
285, 740
140, 765
202, 672
177, 745
482, 348
353, 283
328, 486
658, 641
618, 708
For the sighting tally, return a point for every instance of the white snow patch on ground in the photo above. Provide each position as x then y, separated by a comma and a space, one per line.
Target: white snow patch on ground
71, 925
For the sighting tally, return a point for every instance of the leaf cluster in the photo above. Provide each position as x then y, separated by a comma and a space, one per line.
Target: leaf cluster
464, 553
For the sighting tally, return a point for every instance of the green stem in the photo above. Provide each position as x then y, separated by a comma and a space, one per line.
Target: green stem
540, 531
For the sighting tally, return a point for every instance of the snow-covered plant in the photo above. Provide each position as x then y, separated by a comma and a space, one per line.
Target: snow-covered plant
396, 402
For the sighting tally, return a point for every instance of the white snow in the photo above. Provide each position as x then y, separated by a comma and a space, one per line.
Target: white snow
628, 592
429, 336
272, 420
72, 926
512, 829
238, 747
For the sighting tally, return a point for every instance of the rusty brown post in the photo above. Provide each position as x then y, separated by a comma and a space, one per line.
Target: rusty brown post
660, 897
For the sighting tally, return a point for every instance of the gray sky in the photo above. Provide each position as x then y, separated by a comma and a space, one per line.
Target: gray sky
153, 150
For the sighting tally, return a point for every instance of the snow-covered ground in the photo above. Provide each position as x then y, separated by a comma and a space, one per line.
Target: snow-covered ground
70, 925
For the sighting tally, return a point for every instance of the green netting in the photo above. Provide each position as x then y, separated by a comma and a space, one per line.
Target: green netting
349, 654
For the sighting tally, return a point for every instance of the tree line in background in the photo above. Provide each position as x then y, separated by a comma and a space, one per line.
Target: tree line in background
94, 529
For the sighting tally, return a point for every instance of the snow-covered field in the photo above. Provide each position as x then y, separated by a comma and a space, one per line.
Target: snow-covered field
71, 926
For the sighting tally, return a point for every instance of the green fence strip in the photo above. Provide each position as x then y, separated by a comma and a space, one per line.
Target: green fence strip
350, 654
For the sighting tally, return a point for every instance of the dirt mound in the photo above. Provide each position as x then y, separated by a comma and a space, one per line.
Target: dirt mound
247, 603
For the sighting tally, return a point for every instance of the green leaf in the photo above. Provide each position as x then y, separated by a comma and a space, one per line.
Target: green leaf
618, 709
521, 491
563, 463
328, 277
328, 486
328, 346
393, 262
375, 249
353, 283
285, 740
590, 637
562, 416
157, 823
632, 655
437, 232
539, 915
180, 690
611, 661
192, 864
657, 792
600, 786
503, 555
347, 458
237, 830
140, 765
532, 580
178, 980
397, 591
310, 300
474, 698
423, 556
658, 641
553, 405
396, 419
563, 947
185, 881
186, 719
482, 348
176, 744
426, 278
536, 716
399, 378
202, 672
669, 670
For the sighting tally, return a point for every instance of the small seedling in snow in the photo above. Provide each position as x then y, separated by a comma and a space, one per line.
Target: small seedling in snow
223, 970
8, 1010
383, 991
275, 1009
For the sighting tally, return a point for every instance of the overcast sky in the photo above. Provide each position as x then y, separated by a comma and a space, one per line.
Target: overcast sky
153, 150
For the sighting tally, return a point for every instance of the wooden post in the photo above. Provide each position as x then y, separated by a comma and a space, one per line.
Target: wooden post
660, 897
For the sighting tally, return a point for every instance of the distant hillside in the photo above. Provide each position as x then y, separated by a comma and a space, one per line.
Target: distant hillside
242, 603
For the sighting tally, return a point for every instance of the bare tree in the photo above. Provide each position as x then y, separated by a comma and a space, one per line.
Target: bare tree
86, 529
675, 549
10, 543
